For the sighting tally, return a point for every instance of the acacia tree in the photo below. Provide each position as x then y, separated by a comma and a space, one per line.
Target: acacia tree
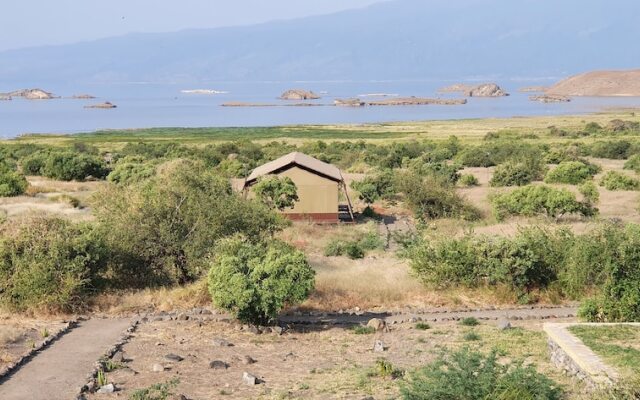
277, 193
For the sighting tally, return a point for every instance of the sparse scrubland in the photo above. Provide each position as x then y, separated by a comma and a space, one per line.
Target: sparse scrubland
465, 213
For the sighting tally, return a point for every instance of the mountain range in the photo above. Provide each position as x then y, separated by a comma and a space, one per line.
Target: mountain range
396, 40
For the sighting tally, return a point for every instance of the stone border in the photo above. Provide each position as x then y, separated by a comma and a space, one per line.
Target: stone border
91, 384
569, 353
12, 368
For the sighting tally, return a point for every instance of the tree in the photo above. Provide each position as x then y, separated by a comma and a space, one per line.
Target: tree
12, 183
255, 281
162, 229
276, 193
70, 166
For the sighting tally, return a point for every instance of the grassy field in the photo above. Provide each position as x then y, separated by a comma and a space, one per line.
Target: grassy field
467, 130
618, 345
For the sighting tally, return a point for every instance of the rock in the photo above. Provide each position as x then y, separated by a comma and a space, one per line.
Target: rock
278, 330
217, 364
249, 379
247, 360
487, 90
254, 329
458, 87
158, 368
32, 94
299, 94
5, 97
174, 357
378, 346
550, 98
349, 103
82, 96
105, 105
183, 317
377, 324
118, 357
110, 388
179, 397
289, 356
416, 101
219, 342
504, 324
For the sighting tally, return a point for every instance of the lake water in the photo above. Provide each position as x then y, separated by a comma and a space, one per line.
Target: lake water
143, 105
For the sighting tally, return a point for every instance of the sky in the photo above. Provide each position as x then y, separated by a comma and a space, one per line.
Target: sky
28, 23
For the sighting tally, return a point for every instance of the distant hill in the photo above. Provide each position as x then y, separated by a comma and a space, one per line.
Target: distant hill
402, 39
599, 83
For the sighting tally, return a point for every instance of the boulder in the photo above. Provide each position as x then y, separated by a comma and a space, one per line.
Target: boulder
32, 94
174, 357
377, 324
299, 94
158, 368
504, 324
349, 103
486, 90
105, 105
379, 347
550, 98
249, 379
219, 342
217, 364
118, 357
110, 388
247, 360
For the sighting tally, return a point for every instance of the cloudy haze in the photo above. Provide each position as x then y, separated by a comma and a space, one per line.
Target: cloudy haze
42, 22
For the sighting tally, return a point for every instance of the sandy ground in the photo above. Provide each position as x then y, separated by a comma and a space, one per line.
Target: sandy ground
329, 363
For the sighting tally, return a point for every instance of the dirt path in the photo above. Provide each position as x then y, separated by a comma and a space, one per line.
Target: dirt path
58, 371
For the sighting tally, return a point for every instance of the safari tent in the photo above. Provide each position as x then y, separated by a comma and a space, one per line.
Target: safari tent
319, 186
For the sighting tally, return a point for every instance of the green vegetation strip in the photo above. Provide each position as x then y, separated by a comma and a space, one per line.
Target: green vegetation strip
618, 345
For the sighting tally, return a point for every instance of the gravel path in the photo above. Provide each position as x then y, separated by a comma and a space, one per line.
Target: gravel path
59, 371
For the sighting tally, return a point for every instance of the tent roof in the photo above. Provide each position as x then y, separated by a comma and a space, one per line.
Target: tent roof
298, 159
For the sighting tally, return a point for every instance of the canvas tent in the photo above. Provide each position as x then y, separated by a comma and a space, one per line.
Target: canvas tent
318, 186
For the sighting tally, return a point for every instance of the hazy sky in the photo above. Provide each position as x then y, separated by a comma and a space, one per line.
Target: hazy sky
39, 22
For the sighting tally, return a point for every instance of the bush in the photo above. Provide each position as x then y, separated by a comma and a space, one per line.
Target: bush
255, 281
589, 192
430, 198
469, 321
12, 183
48, 264
571, 172
619, 299
334, 248
468, 375
539, 200
131, 170
468, 180
276, 193
512, 173
353, 250
614, 180
162, 229
33, 164
633, 163
70, 166
613, 149
375, 187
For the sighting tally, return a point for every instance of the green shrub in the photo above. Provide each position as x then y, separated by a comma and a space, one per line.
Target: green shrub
131, 170
48, 264
363, 330
34, 164
471, 336
570, 172
470, 321
70, 166
633, 163
254, 282
158, 391
385, 369
468, 375
376, 186
619, 298
276, 193
430, 198
353, 250
512, 173
162, 229
612, 149
614, 180
422, 326
589, 192
334, 248
468, 180
12, 183
539, 200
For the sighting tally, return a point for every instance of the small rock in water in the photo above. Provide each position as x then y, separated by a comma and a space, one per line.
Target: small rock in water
378, 346
219, 342
110, 388
158, 368
249, 379
174, 357
217, 364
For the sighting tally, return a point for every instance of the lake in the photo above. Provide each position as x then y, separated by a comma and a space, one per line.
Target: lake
143, 105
